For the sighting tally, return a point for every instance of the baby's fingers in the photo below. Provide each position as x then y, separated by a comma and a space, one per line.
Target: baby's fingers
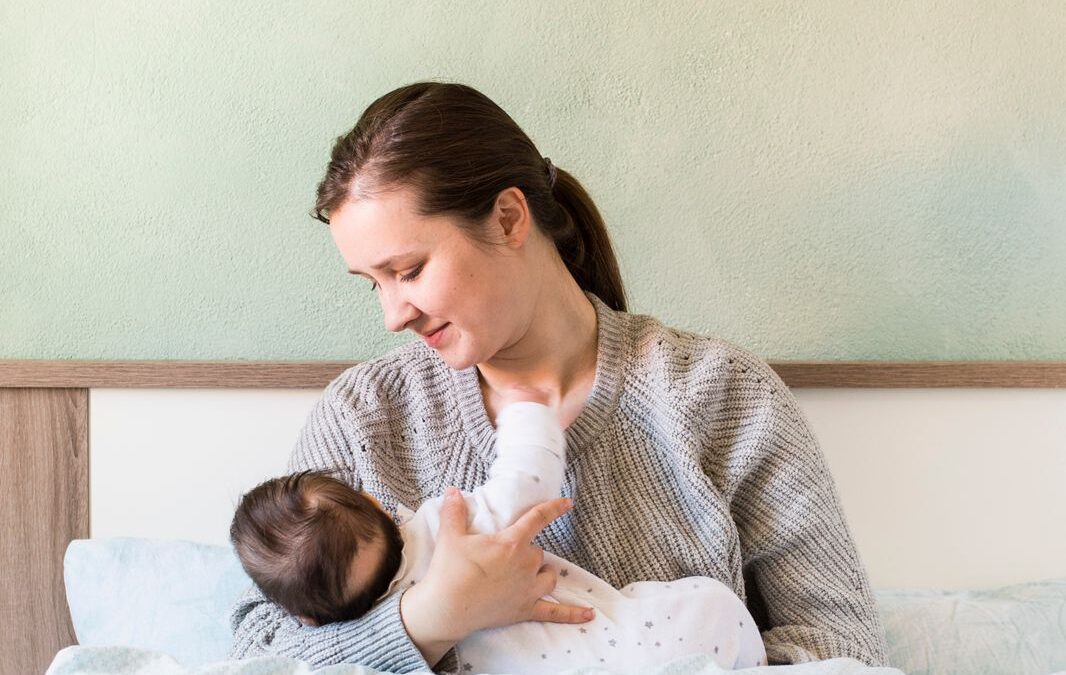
553, 612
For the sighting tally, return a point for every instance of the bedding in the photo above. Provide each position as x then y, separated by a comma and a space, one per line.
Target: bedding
1017, 629
170, 596
130, 661
162, 606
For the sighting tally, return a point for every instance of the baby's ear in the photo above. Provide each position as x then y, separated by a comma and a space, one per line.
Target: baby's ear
307, 621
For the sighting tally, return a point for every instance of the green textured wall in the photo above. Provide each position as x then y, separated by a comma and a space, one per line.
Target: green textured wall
810, 180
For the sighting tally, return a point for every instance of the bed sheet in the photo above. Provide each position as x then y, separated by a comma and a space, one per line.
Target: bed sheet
130, 661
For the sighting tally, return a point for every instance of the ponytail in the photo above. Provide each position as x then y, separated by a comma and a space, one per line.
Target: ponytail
586, 248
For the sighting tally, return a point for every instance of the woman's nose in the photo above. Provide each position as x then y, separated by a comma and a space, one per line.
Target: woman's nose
398, 311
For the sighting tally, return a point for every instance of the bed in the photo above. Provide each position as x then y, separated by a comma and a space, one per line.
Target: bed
950, 475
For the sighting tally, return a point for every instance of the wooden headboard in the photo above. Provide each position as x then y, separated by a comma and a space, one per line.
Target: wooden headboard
44, 455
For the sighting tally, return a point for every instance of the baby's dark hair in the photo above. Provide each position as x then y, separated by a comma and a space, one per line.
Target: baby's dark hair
297, 537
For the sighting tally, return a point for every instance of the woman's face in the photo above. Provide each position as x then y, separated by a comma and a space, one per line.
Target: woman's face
464, 298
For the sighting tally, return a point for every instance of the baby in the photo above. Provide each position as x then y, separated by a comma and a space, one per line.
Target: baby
326, 552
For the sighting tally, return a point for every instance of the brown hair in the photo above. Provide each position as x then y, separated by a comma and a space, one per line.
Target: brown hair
458, 150
297, 537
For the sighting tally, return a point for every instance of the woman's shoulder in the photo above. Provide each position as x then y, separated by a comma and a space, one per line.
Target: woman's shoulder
712, 384
677, 353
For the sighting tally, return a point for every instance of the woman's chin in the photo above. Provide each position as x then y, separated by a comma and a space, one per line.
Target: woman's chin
455, 359
458, 355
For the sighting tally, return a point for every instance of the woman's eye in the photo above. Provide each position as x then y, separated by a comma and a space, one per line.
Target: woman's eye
413, 273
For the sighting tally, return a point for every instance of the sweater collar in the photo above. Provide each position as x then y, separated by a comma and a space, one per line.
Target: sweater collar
599, 406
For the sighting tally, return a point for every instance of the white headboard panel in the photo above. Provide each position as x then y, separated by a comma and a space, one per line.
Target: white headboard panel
949, 488
943, 488
172, 463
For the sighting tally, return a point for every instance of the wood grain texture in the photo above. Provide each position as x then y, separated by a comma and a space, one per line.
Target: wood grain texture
923, 374
317, 374
44, 504
167, 374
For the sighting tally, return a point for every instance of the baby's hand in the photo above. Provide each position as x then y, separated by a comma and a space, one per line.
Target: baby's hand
521, 393
516, 393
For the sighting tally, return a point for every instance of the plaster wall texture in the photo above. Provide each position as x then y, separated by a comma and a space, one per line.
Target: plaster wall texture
812, 180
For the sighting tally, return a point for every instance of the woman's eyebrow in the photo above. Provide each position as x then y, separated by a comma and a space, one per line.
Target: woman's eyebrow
386, 262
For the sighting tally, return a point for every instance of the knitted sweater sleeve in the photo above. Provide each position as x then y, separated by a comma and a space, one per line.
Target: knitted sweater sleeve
377, 639
805, 582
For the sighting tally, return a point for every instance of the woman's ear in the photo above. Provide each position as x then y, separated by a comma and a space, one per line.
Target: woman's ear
511, 218
307, 621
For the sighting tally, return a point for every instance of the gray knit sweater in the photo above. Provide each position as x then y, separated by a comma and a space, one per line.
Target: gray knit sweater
691, 457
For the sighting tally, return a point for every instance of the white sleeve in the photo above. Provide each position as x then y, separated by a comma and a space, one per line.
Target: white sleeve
529, 465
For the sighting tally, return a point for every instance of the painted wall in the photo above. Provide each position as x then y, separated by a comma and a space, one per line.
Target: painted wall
810, 180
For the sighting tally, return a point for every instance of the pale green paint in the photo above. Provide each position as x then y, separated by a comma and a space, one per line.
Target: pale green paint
809, 180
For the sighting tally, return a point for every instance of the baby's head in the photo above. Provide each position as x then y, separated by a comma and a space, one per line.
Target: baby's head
315, 546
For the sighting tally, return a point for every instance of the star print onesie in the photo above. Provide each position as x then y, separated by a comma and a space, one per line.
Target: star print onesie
644, 624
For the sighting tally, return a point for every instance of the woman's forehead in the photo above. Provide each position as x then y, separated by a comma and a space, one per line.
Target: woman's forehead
392, 210
373, 232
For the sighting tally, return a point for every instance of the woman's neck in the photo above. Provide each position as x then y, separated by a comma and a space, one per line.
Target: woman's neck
556, 353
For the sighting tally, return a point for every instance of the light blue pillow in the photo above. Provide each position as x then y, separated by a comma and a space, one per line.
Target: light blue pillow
1020, 630
164, 595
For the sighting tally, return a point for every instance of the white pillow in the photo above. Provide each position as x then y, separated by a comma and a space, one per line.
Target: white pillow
1018, 629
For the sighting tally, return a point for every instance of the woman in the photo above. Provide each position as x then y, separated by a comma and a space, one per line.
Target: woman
688, 455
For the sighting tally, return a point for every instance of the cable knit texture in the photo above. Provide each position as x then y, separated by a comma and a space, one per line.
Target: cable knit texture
691, 457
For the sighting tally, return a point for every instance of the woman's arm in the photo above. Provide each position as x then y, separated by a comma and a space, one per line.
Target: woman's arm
378, 639
805, 582
474, 581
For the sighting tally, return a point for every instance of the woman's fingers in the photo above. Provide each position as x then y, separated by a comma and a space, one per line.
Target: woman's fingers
553, 612
483, 581
453, 516
545, 581
536, 519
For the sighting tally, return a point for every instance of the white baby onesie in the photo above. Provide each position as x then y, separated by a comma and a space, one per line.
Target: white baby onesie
644, 624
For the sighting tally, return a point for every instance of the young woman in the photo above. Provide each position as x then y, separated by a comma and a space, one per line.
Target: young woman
687, 455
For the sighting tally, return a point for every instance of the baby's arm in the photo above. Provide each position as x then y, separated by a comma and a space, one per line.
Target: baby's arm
528, 470
529, 465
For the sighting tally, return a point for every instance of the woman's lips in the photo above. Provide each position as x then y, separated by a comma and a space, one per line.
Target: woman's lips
434, 338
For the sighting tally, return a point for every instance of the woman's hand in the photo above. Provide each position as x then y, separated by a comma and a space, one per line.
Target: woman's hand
478, 581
